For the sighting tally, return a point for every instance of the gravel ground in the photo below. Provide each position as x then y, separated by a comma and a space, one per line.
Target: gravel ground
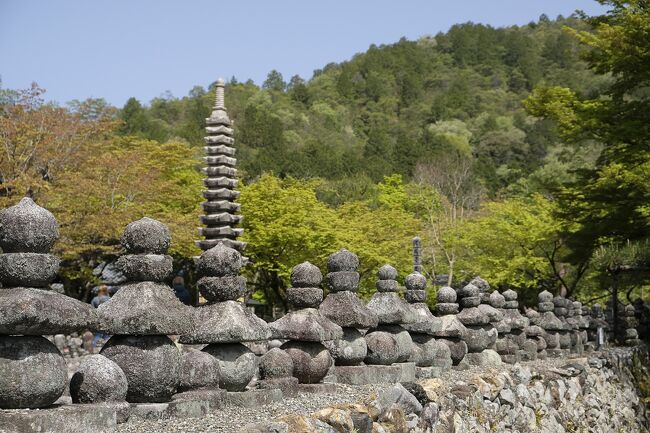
231, 419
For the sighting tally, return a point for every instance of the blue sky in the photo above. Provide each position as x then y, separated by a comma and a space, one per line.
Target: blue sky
121, 48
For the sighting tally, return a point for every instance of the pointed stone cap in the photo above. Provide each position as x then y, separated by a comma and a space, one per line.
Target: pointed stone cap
515, 319
415, 281
387, 272
225, 322
146, 235
425, 322
497, 300
545, 296
391, 309
510, 295
549, 322
473, 316
28, 311
346, 310
469, 291
342, 261
451, 327
145, 308
482, 285
446, 295
27, 228
219, 113
305, 325
219, 261
306, 275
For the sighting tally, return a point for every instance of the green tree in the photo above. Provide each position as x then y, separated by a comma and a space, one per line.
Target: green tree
610, 201
519, 243
284, 225
274, 81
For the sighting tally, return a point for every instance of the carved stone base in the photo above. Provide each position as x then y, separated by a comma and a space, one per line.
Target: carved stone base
288, 385
428, 372
77, 418
253, 397
367, 374
317, 388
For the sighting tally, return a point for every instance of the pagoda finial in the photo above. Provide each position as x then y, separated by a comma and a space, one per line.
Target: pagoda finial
219, 113
219, 102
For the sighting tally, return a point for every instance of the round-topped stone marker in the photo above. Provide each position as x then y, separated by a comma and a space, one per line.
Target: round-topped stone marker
151, 363
446, 295
98, 380
342, 260
146, 235
387, 272
32, 372
199, 370
482, 285
276, 363
469, 291
497, 300
306, 275
415, 281
545, 296
219, 261
510, 295
28, 269
27, 228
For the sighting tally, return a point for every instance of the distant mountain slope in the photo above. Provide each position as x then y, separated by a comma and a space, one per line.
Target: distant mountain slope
387, 109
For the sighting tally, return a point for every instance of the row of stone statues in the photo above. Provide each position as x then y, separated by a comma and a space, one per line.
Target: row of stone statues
390, 335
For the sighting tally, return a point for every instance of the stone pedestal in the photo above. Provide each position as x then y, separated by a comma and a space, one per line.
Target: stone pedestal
79, 418
253, 398
368, 374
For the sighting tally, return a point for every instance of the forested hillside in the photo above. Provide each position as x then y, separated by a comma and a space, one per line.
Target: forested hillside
396, 106
519, 153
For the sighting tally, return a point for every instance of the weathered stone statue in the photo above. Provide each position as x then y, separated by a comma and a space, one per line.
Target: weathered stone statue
224, 323
452, 331
306, 329
33, 372
561, 310
631, 334
573, 320
549, 323
516, 336
389, 342
142, 314
597, 321
481, 335
430, 356
343, 307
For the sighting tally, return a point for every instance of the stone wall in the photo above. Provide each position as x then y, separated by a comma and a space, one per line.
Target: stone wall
593, 394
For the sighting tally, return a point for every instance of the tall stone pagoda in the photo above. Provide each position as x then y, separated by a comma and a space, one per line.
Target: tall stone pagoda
220, 207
